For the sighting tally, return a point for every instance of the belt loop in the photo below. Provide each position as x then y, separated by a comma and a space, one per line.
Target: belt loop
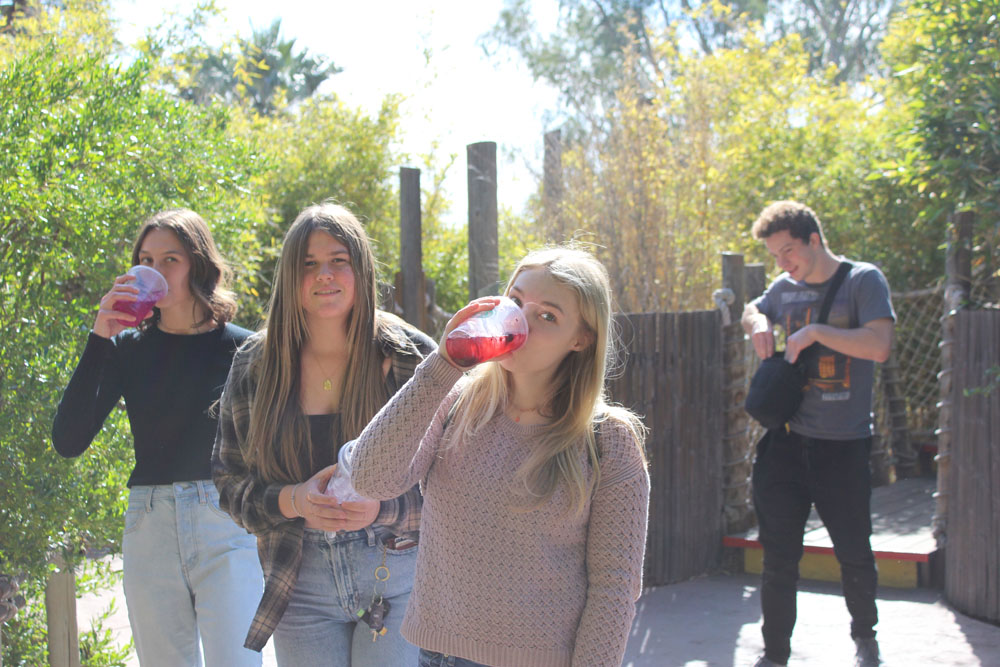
202, 491
148, 490
371, 535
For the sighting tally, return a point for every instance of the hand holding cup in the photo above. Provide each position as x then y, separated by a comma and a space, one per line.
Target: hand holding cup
130, 301
485, 329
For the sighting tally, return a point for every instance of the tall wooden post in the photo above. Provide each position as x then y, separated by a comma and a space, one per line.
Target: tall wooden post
60, 611
484, 260
738, 513
754, 280
958, 267
411, 289
552, 188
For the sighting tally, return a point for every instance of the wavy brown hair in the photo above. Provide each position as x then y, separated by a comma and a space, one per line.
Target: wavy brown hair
209, 272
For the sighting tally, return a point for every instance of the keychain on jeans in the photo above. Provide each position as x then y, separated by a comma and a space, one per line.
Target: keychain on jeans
375, 615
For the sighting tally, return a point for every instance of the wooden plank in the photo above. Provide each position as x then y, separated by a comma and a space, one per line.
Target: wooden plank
972, 583
412, 298
483, 249
672, 378
992, 427
60, 610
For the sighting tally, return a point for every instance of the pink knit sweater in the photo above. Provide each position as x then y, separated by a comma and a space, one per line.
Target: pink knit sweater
544, 588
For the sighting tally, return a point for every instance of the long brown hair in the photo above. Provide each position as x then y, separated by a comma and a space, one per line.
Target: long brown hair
209, 272
279, 441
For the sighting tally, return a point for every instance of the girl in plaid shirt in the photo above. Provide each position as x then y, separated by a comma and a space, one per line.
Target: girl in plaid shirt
336, 575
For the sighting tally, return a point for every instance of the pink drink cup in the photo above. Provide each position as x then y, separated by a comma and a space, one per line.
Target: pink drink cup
488, 334
152, 287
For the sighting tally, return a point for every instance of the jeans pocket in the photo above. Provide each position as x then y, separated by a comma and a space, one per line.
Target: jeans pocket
399, 546
213, 504
133, 518
431, 659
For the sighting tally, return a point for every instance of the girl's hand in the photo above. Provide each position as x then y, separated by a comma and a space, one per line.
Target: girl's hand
476, 306
110, 322
323, 512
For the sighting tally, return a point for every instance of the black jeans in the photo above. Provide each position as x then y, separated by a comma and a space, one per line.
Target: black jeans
791, 473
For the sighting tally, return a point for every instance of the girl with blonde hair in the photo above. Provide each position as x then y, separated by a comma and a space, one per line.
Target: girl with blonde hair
190, 573
337, 575
535, 487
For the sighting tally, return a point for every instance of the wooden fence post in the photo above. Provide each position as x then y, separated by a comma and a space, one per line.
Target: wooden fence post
754, 280
958, 268
411, 290
483, 250
738, 513
552, 187
60, 611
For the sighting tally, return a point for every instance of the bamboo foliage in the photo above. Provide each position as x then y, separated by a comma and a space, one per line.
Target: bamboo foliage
683, 162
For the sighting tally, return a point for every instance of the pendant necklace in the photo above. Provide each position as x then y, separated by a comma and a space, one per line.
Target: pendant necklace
521, 412
327, 382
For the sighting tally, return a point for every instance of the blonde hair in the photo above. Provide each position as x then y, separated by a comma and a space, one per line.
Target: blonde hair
279, 443
578, 402
209, 273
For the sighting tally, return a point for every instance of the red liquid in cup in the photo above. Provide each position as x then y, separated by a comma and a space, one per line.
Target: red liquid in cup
137, 309
471, 351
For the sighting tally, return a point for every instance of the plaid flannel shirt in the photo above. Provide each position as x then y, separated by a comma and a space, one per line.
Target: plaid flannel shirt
253, 502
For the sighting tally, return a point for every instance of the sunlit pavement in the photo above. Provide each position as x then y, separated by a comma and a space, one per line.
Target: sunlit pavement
715, 621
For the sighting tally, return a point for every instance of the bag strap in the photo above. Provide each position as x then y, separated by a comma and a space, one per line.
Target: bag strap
831, 290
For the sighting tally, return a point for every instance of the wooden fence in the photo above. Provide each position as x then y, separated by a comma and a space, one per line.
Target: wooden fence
972, 557
673, 378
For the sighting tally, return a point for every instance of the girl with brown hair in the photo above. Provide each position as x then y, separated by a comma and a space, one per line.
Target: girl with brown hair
337, 575
190, 573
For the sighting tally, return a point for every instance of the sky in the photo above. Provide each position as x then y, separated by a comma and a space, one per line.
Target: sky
456, 97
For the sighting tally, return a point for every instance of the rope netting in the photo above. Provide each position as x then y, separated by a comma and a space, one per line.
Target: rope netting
907, 385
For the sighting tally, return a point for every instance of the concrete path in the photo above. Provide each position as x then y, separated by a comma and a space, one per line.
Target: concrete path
715, 621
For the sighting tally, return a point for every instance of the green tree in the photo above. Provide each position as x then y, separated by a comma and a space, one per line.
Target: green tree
678, 172
944, 56
84, 27
87, 154
585, 57
264, 72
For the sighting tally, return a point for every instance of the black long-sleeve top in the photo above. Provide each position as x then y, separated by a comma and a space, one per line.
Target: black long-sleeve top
170, 384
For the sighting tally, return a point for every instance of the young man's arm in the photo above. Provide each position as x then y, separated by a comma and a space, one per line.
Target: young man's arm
873, 340
759, 328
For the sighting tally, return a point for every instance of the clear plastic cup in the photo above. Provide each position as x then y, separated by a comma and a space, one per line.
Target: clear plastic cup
488, 334
340, 486
152, 287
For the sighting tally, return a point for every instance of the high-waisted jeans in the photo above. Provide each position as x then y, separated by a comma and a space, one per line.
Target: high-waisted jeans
337, 579
191, 577
792, 472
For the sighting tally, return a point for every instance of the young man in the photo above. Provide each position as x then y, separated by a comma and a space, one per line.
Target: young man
821, 457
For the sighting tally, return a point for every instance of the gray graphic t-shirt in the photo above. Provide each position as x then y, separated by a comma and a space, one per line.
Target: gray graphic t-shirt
838, 400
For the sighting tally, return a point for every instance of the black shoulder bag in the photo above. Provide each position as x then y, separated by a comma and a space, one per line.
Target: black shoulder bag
776, 388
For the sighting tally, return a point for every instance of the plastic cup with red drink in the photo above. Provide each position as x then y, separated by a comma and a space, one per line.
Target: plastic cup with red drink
488, 334
152, 287
339, 486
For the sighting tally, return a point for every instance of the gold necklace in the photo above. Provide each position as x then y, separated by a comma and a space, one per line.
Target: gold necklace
328, 382
191, 330
520, 411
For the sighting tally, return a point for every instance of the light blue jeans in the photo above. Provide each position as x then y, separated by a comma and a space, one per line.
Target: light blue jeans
321, 627
191, 575
435, 659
